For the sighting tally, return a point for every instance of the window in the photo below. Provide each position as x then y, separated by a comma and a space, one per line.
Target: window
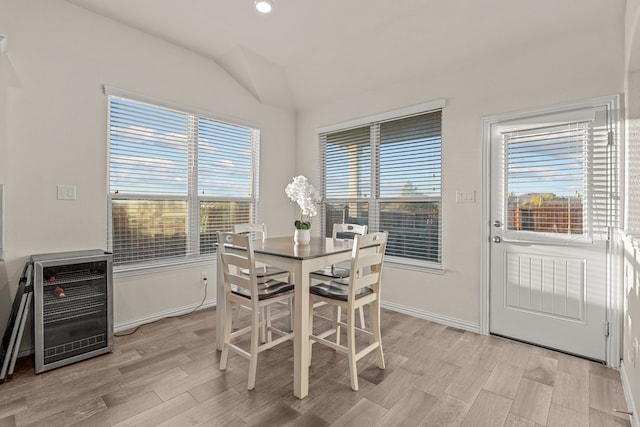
175, 178
546, 178
387, 174
559, 177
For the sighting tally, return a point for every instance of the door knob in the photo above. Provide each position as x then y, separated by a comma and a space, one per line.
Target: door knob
497, 223
496, 239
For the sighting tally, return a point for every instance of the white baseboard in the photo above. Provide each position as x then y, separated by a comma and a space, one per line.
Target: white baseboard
161, 315
438, 318
628, 396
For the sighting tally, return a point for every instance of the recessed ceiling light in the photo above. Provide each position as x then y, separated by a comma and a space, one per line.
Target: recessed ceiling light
263, 6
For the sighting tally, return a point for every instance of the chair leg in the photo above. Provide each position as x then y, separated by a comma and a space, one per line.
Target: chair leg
374, 317
236, 317
351, 343
255, 336
310, 329
361, 311
227, 335
263, 329
267, 323
290, 301
337, 317
291, 314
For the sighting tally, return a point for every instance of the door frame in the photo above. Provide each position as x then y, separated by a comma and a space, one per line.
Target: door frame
614, 291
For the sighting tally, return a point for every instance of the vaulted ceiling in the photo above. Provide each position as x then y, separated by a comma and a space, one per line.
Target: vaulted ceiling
309, 52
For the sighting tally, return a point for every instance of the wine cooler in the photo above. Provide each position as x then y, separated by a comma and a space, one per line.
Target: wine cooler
73, 307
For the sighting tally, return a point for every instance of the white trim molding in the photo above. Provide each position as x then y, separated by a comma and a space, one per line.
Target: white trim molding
438, 104
123, 93
434, 317
628, 397
180, 311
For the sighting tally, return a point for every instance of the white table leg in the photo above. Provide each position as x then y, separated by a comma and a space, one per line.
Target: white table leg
221, 305
301, 329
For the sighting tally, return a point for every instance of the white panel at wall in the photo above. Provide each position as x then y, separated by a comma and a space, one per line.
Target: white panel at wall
563, 295
63, 55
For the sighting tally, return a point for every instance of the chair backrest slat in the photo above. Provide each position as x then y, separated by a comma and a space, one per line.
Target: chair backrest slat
347, 231
257, 230
351, 230
366, 262
233, 263
237, 260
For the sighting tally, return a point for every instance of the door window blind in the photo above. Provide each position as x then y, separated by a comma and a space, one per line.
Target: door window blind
557, 180
175, 178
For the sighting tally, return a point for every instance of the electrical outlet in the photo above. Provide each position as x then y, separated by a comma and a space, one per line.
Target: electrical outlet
203, 277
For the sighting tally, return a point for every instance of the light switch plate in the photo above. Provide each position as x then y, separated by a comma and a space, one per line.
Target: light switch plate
66, 192
466, 196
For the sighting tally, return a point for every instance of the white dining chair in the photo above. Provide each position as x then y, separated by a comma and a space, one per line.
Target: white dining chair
360, 289
263, 272
341, 271
244, 289
259, 231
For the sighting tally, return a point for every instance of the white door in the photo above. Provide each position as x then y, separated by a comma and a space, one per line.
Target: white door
551, 207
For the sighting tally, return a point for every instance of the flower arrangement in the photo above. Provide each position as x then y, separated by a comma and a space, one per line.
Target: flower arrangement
307, 197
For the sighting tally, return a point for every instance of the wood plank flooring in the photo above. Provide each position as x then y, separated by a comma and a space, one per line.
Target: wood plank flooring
166, 374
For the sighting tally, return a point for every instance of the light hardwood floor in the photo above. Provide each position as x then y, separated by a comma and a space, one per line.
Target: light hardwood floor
166, 374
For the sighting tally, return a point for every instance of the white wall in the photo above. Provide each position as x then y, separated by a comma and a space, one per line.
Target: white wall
5, 289
6, 74
55, 133
631, 259
548, 72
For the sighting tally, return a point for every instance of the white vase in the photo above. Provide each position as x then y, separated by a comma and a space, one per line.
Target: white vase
302, 237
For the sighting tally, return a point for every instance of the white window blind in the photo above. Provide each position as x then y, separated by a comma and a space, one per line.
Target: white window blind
388, 175
558, 180
175, 178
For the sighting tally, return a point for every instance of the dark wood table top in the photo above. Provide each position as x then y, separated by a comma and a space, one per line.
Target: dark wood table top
317, 247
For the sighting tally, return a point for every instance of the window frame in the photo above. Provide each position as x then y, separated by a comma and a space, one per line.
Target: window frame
374, 201
193, 199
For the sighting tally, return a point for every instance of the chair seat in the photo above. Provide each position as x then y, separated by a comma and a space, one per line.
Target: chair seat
266, 290
337, 290
332, 272
266, 271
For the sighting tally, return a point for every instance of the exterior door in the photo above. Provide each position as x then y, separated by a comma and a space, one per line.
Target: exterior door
551, 183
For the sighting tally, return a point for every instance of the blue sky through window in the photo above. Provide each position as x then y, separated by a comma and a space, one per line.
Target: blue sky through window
149, 153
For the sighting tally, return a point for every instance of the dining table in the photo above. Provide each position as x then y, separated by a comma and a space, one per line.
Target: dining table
300, 260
